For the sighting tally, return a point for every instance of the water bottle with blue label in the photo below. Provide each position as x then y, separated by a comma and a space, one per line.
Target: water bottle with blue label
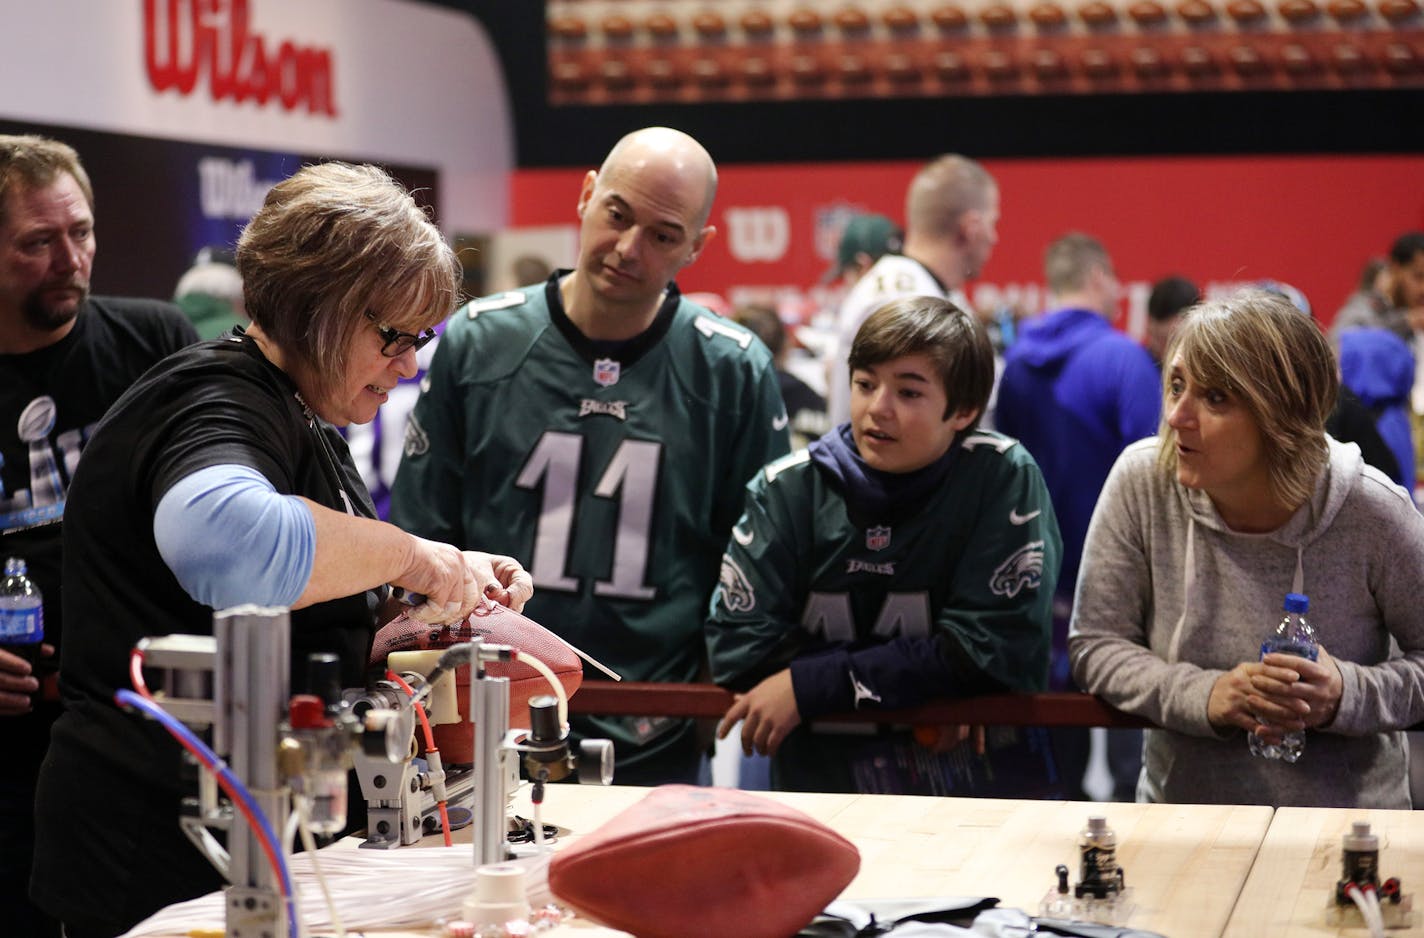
21, 612
1293, 636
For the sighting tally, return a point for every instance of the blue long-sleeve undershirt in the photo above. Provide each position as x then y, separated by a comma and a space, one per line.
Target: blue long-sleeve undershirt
230, 538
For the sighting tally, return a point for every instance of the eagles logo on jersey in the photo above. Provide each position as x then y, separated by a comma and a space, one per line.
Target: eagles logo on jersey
735, 589
1023, 568
417, 441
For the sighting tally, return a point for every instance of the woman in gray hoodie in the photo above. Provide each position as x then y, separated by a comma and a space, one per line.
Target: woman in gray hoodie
1198, 536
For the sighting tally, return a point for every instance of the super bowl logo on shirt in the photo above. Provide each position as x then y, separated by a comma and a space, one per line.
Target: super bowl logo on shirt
42, 502
877, 538
1023, 568
605, 372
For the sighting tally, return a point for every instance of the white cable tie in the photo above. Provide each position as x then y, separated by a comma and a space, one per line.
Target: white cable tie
303, 815
589, 658
374, 889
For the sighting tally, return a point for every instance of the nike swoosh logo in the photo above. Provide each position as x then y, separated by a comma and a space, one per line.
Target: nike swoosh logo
1016, 518
744, 539
779, 423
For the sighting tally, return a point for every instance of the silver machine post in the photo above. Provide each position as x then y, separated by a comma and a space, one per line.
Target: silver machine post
250, 689
489, 709
498, 750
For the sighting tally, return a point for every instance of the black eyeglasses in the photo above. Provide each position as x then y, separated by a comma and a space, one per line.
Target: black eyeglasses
397, 342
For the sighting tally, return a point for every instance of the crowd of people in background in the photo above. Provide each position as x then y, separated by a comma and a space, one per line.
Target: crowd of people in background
979, 503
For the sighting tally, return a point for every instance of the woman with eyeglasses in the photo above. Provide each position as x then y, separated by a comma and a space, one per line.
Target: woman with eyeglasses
219, 480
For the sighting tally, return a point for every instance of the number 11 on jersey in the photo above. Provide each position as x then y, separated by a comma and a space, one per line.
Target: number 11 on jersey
631, 477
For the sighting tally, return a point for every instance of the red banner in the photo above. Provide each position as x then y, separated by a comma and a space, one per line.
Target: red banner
1309, 221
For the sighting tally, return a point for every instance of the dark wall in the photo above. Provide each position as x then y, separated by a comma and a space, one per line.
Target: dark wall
1103, 125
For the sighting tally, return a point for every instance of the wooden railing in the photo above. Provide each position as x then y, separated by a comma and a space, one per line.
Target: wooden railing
631, 698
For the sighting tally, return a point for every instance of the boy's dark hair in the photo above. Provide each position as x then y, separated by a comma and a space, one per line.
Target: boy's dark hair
953, 340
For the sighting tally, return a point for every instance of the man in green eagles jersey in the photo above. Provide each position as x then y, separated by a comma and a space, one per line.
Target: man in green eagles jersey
601, 429
903, 556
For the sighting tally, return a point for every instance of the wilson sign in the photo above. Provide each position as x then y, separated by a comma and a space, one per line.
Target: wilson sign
188, 43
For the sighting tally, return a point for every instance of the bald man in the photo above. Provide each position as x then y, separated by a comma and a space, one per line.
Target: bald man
951, 227
601, 428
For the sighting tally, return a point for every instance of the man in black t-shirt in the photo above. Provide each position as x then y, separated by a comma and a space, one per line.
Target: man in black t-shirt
64, 358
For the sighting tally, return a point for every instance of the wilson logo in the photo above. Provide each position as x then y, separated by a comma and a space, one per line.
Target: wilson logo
185, 41
760, 233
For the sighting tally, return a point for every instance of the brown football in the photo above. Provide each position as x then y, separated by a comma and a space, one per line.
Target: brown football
495, 624
694, 862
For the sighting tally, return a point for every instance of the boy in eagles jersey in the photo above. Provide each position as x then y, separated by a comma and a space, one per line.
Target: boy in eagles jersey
601, 428
903, 556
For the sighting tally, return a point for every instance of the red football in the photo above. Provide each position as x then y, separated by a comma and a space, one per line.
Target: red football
498, 625
687, 861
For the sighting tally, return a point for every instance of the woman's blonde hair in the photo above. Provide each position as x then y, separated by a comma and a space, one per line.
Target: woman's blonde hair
1256, 346
332, 243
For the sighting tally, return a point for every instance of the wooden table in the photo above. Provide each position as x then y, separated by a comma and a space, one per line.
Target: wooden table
1185, 863
1300, 861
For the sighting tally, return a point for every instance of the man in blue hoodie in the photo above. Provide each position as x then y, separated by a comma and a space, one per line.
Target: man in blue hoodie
1378, 367
1076, 392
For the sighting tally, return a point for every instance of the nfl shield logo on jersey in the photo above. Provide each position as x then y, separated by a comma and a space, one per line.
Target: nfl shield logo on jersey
605, 372
877, 538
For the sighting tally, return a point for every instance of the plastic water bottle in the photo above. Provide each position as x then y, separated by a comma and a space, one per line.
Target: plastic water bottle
21, 612
1293, 636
